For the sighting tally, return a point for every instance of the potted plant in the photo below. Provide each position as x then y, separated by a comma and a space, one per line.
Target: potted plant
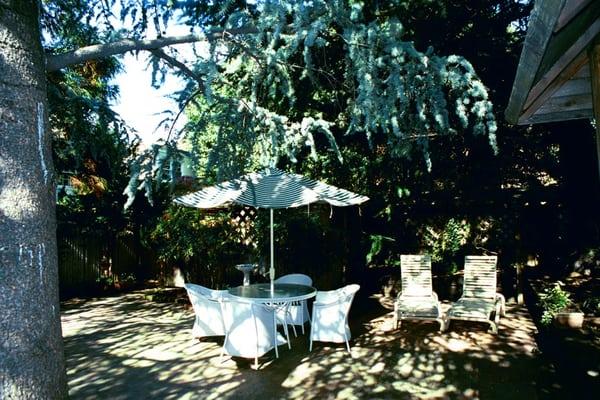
559, 308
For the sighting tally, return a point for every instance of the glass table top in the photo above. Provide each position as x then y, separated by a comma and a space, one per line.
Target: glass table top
283, 291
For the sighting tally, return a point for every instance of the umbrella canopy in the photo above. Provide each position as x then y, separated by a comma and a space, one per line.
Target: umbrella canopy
271, 188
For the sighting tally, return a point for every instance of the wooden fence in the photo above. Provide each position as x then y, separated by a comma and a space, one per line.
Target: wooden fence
85, 262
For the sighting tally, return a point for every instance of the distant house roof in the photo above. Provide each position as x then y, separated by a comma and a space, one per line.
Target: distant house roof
553, 77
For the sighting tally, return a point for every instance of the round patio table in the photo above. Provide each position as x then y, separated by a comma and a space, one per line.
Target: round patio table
283, 292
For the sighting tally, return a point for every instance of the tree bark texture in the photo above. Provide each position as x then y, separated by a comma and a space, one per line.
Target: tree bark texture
31, 348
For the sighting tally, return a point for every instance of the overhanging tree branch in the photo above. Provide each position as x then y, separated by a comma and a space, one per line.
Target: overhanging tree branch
179, 65
58, 61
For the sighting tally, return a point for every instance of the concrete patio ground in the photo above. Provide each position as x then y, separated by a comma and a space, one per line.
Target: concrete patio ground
128, 347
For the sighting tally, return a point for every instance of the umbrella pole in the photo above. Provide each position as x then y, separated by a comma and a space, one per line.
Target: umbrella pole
272, 270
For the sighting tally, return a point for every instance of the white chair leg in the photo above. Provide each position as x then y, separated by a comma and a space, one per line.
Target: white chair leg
223, 349
347, 344
302, 316
287, 335
294, 329
275, 334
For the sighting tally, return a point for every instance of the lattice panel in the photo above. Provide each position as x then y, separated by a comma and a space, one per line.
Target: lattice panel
243, 223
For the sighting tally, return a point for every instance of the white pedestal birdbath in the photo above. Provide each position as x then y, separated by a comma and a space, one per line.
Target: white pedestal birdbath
246, 269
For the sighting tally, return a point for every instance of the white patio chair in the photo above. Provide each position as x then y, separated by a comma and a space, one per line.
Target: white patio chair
251, 329
297, 313
207, 307
330, 316
417, 301
479, 300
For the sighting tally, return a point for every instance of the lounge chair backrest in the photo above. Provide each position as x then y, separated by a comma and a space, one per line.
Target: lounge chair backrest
480, 277
299, 279
416, 275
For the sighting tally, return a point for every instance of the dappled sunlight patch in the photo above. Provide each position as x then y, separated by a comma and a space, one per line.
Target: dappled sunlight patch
300, 374
138, 349
158, 354
421, 390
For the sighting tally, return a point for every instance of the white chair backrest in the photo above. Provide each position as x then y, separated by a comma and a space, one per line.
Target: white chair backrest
416, 275
207, 307
210, 294
342, 296
250, 327
299, 279
205, 301
480, 277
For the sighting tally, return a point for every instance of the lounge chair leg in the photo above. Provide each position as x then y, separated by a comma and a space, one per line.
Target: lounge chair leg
442, 324
256, 363
494, 327
502, 304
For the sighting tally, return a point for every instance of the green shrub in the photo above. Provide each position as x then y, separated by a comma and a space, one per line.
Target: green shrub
444, 244
554, 300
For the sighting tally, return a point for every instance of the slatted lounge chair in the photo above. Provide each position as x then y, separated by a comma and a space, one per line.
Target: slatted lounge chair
330, 316
417, 301
479, 300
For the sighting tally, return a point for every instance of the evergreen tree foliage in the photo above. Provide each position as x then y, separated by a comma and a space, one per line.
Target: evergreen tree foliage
326, 68
90, 141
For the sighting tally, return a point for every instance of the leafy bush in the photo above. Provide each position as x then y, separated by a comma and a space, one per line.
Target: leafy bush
376, 250
204, 243
443, 244
592, 305
554, 300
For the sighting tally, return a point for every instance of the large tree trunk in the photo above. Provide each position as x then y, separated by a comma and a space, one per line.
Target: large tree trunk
31, 349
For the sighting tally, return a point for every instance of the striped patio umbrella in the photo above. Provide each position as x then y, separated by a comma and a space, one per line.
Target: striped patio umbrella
270, 189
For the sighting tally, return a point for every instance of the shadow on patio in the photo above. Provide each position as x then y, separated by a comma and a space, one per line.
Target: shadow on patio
127, 348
